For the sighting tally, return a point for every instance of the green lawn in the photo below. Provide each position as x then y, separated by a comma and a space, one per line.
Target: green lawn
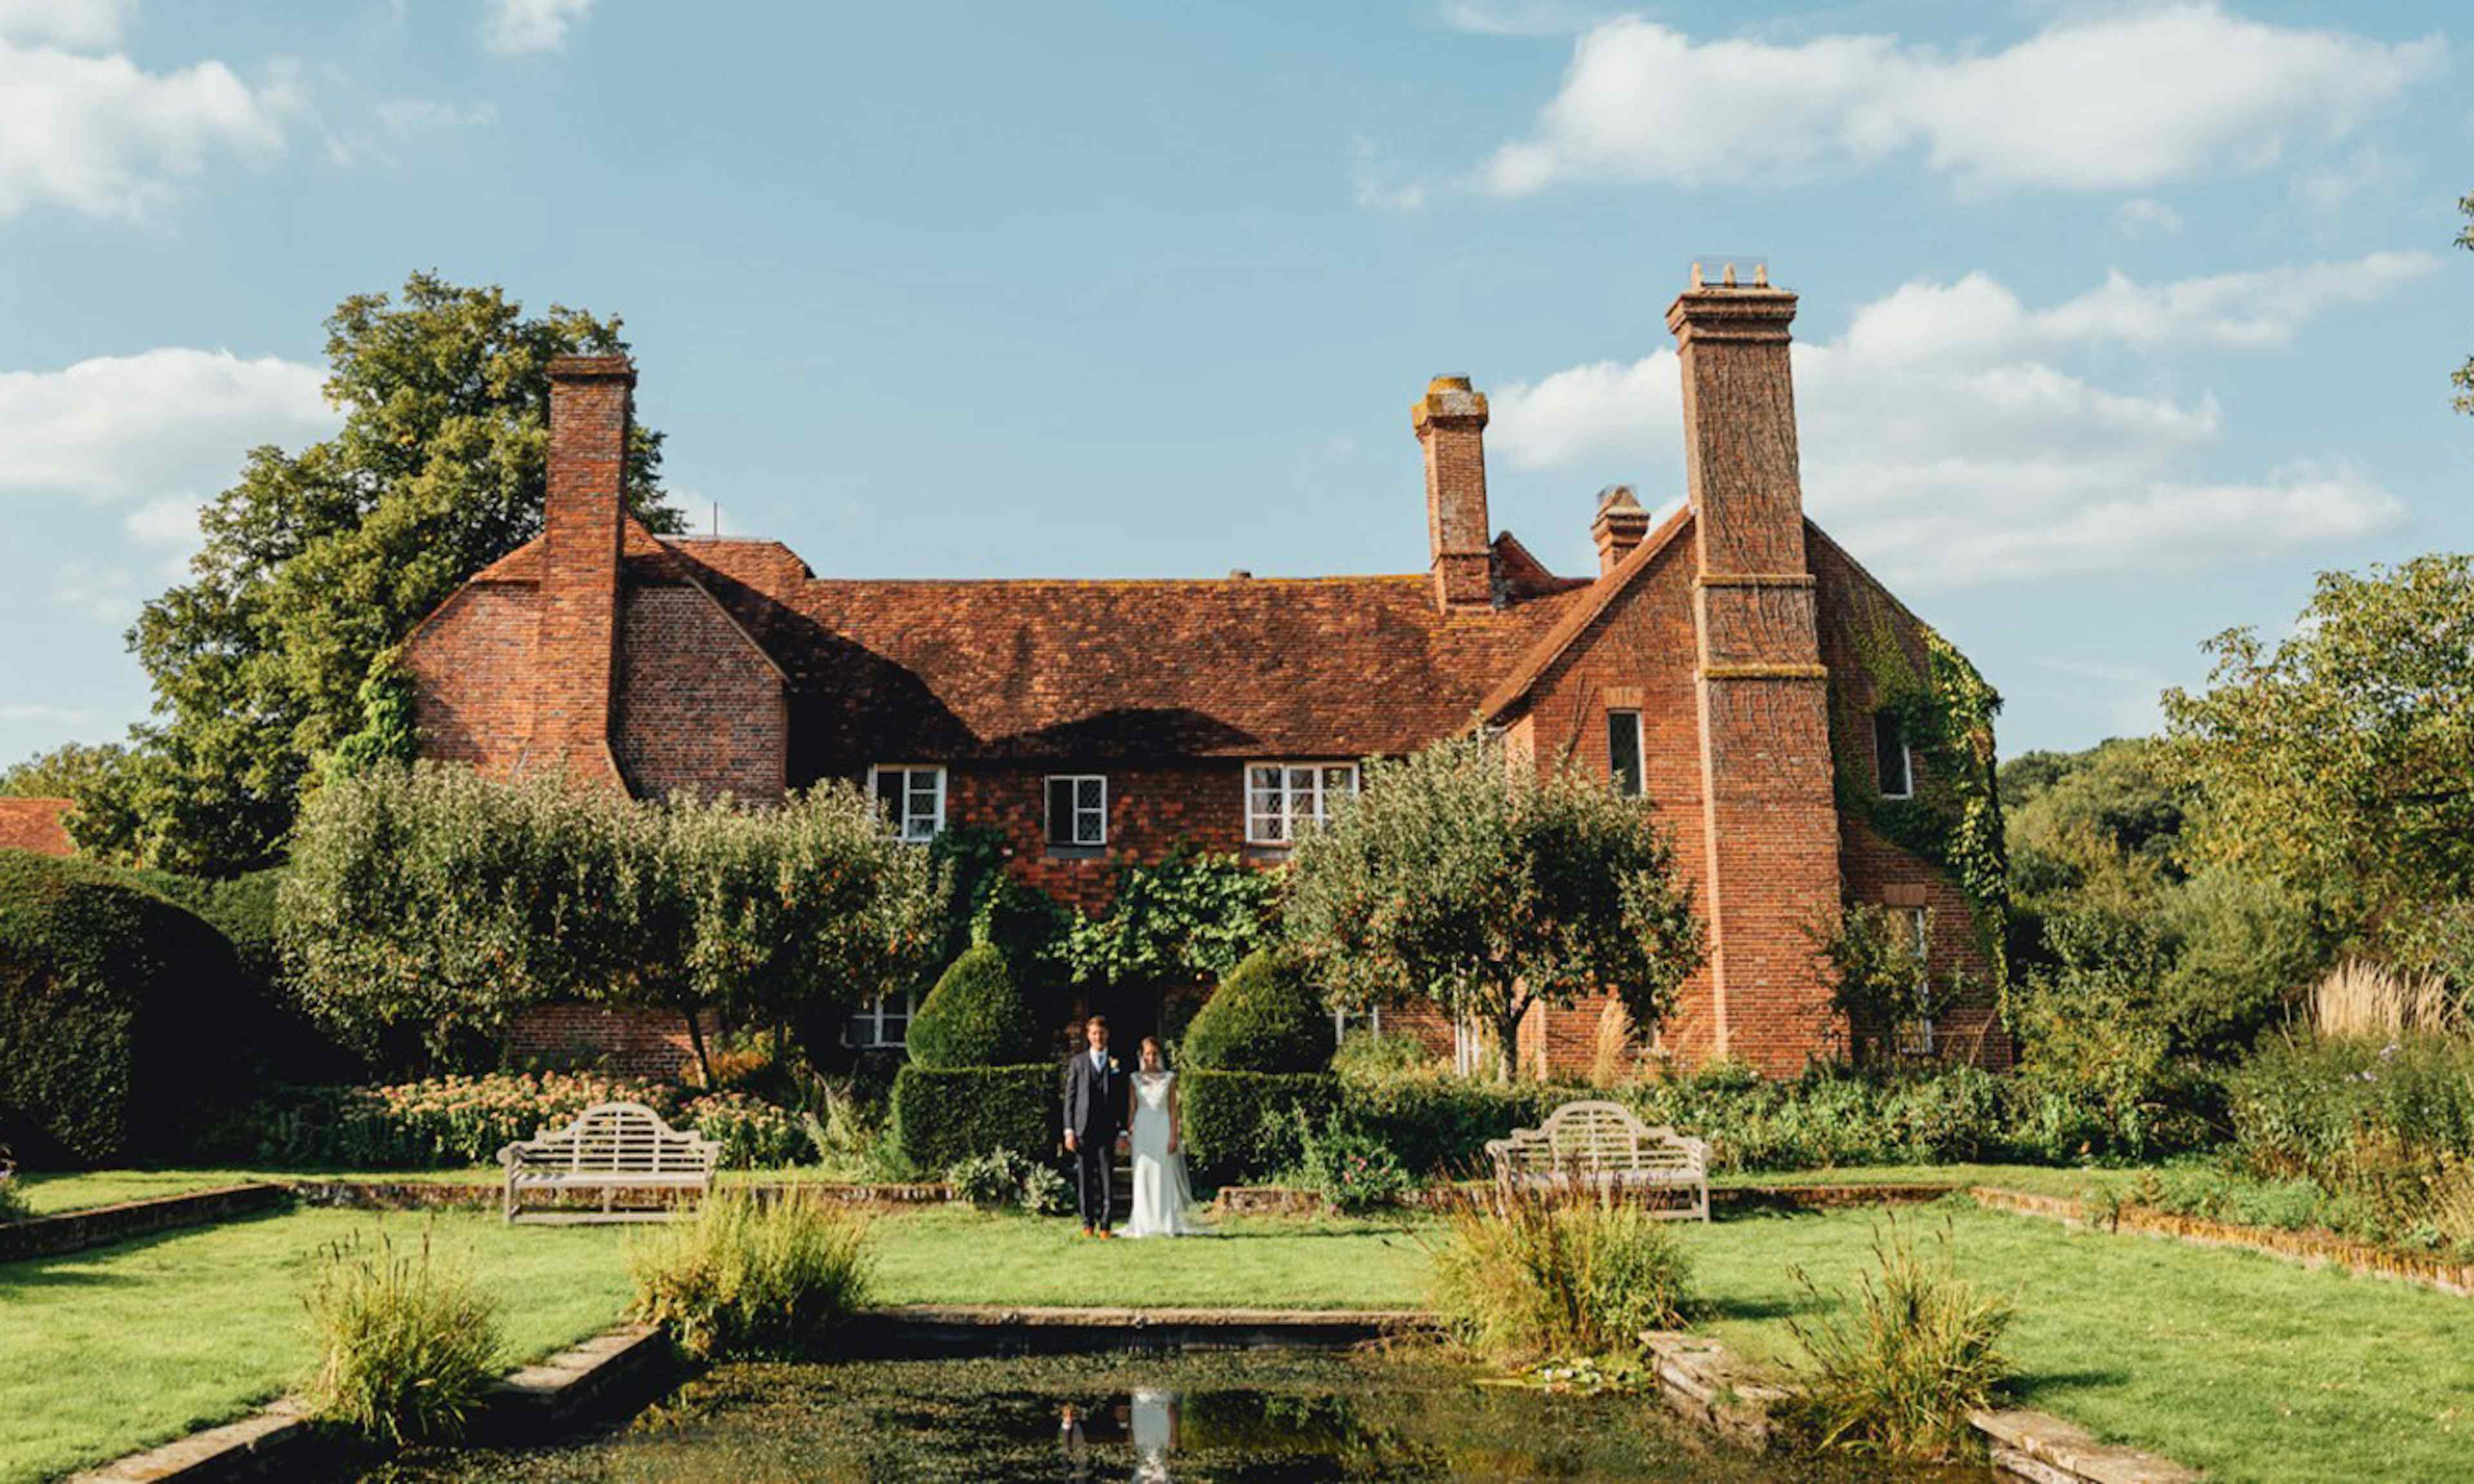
46, 1194
113, 1349
948, 1256
2247, 1366
2240, 1364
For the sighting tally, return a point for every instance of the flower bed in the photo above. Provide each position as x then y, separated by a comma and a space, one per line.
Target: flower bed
443, 1121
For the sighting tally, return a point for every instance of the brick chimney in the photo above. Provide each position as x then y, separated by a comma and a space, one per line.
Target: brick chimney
1771, 822
1450, 420
578, 649
1620, 525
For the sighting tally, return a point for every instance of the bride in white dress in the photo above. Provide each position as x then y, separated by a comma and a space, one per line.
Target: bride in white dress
1163, 1201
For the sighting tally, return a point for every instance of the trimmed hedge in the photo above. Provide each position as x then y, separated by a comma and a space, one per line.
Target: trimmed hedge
1264, 1017
1441, 1125
975, 1016
1241, 1125
945, 1114
121, 1016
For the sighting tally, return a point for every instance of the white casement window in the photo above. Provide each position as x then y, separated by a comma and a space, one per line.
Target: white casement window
1624, 752
1360, 1022
882, 1023
911, 796
1892, 767
1077, 809
1284, 800
1470, 1053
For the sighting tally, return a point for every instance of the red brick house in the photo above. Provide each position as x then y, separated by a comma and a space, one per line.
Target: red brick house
1721, 664
36, 824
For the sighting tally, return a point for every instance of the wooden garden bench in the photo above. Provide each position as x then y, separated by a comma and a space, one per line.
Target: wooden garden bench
1603, 1146
609, 1147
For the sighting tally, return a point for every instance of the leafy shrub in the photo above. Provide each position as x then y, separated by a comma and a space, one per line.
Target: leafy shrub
1348, 1166
1186, 916
1531, 1273
1243, 1124
2376, 1122
408, 1345
1434, 1121
441, 1121
976, 1017
1002, 1178
1896, 1367
1264, 1017
752, 1274
945, 1114
753, 1133
1381, 1054
13, 1197
121, 1016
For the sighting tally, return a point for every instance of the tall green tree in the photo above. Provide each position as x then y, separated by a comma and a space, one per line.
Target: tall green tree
317, 562
2340, 762
1464, 880
58, 772
2464, 375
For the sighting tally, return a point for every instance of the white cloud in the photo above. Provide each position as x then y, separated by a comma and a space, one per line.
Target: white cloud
404, 118
44, 711
2120, 100
90, 24
514, 27
100, 135
1521, 17
1945, 437
107, 595
1371, 185
141, 426
2143, 214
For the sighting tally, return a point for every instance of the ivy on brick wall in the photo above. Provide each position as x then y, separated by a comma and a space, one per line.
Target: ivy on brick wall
1188, 917
1954, 816
386, 732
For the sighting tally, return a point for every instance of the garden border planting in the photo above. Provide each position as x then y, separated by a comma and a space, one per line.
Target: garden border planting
2311, 1249
1288, 1201
100, 1226
459, 1195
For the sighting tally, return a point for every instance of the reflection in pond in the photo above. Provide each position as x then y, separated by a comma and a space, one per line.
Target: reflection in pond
1254, 1415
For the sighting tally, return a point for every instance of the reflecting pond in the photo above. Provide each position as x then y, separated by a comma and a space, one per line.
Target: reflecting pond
1232, 1415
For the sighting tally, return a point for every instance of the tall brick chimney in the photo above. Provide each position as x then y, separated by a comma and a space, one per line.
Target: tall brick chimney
1770, 818
1450, 420
577, 648
1619, 526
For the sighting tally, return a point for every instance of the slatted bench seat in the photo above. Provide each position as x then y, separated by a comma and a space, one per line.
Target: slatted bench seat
609, 1147
1602, 1145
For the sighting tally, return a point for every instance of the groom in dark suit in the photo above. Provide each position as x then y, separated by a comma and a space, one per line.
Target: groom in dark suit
1095, 1110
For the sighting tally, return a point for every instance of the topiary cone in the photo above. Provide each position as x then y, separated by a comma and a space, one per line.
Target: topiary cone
976, 1017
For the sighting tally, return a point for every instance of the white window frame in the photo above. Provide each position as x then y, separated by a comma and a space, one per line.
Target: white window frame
873, 1016
902, 823
1907, 759
1469, 1048
1048, 816
1615, 716
1288, 815
1365, 1022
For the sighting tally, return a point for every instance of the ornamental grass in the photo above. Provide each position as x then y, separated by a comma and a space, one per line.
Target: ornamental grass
1556, 1270
408, 1344
753, 1274
1894, 1368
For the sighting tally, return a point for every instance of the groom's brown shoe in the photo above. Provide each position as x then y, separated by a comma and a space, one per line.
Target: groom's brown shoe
1105, 1231
1087, 1230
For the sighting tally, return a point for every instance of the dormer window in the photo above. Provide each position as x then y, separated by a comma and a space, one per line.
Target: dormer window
1892, 766
1283, 801
911, 796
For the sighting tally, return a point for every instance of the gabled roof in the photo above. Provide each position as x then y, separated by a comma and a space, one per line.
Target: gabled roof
35, 825
898, 670
1514, 687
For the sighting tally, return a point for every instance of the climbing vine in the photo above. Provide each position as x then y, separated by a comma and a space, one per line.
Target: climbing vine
1952, 816
1190, 916
386, 732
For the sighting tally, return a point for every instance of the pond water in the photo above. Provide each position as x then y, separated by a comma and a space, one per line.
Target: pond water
1249, 1416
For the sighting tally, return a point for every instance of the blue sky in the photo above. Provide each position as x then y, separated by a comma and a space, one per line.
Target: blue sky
2119, 321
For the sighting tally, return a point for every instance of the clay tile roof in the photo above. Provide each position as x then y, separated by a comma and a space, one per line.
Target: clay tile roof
1230, 667
35, 824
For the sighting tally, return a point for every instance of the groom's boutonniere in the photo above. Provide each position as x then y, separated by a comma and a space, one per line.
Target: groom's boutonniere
1112, 1064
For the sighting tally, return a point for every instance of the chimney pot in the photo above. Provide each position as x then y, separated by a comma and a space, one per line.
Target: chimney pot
1619, 526
1450, 424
